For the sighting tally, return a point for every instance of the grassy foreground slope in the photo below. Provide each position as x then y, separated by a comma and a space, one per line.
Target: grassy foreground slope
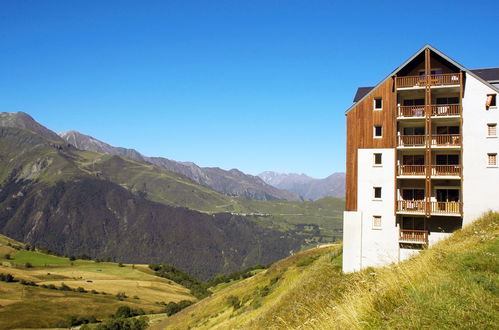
454, 284
34, 306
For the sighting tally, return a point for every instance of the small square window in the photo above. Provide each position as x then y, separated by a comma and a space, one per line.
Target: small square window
492, 159
378, 159
491, 100
378, 103
376, 221
377, 192
378, 131
492, 129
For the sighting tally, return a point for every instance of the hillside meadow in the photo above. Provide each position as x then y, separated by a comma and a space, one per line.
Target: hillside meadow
452, 285
91, 289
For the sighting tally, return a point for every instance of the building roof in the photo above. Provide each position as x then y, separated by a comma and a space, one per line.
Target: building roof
490, 74
361, 92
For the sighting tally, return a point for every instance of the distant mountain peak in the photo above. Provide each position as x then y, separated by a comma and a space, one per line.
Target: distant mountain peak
306, 186
232, 182
24, 121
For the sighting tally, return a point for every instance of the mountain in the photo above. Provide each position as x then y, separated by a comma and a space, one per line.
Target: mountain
74, 202
56, 198
305, 186
25, 121
451, 285
231, 183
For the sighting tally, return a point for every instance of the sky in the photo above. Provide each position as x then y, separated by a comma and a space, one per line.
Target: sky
247, 84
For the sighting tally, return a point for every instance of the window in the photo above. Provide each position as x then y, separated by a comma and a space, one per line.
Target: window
491, 101
412, 102
377, 192
444, 130
492, 130
492, 159
378, 103
447, 100
378, 131
376, 222
378, 159
414, 130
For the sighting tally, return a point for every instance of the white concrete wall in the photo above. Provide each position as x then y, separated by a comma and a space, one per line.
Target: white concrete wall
352, 241
480, 182
371, 246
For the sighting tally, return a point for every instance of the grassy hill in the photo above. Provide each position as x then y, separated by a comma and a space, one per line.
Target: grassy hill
79, 202
40, 302
454, 284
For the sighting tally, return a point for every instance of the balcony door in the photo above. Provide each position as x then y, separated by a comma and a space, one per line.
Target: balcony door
413, 194
413, 223
444, 130
447, 160
447, 195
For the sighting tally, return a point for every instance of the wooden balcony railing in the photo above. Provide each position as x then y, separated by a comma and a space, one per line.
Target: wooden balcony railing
442, 110
451, 208
411, 111
446, 170
411, 140
411, 170
411, 81
413, 236
416, 206
445, 79
443, 140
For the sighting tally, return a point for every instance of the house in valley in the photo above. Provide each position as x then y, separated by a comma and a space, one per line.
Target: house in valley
422, 158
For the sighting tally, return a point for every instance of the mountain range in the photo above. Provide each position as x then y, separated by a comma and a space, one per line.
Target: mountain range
231, 183
305, 186
73, 202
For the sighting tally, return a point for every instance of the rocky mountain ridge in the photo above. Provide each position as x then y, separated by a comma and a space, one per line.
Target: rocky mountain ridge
232, 182
306, 186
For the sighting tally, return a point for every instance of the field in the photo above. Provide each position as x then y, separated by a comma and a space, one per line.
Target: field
452, 285
45, 307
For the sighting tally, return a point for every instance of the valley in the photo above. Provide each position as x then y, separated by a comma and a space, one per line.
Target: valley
73, 201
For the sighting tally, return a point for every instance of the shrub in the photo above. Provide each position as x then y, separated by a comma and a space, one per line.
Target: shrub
140, 323
121, 265
173, 308
28, 265
7, 256
234, 302
121, 296
126, 312
7, 278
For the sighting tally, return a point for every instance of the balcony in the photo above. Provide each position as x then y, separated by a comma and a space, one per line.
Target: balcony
446, 208
411, 206
446, 171
413, 236
446, 79
411, 170
411, 141
418, 207
445, 110
446, 140
411, 111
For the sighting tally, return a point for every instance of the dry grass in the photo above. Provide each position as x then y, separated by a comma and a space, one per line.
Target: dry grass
455, 284
24, 306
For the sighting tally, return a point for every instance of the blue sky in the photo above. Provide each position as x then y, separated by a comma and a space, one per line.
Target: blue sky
254, 85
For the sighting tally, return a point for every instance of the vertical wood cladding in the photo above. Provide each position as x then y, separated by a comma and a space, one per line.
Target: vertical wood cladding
361, 120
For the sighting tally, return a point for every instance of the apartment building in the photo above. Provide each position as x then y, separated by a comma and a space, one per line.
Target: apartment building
422, 158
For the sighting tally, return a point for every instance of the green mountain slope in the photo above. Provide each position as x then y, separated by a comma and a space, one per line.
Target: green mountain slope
452, 285
75, 202
35, 299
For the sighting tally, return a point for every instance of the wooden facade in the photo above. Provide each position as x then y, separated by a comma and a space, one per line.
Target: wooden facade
361, 120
